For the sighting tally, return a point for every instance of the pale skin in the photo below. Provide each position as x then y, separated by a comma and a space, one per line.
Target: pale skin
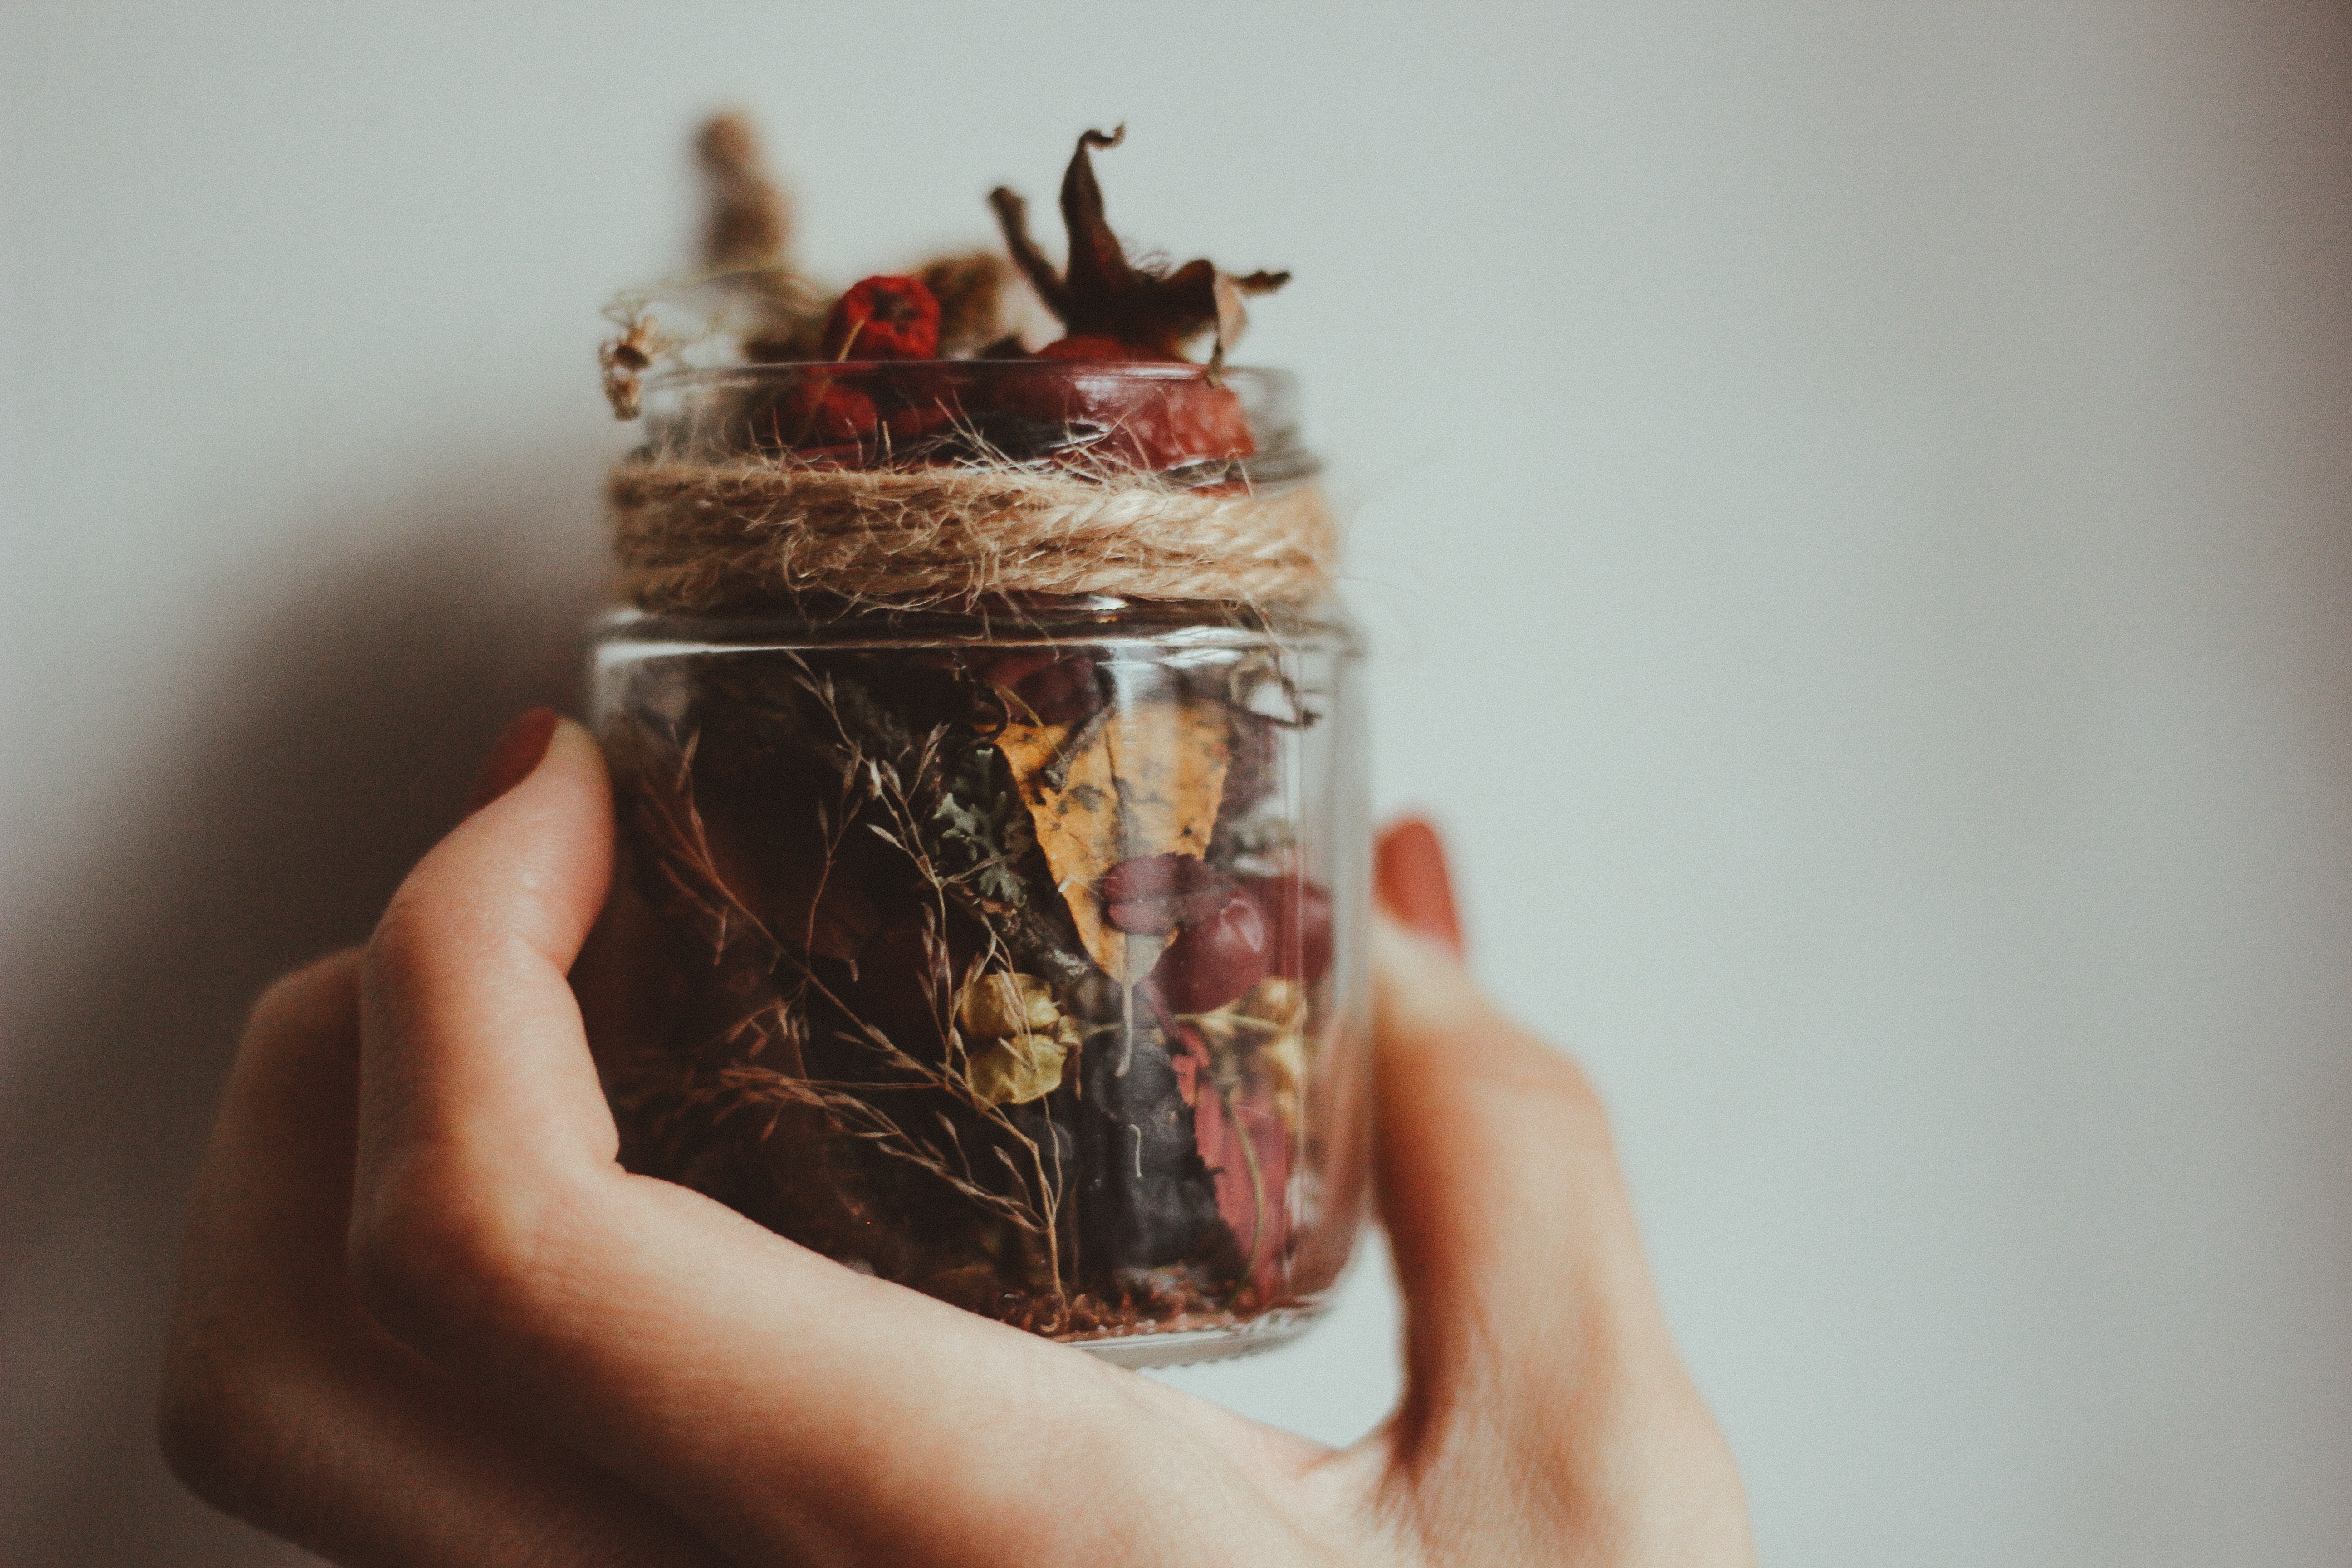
427, 1319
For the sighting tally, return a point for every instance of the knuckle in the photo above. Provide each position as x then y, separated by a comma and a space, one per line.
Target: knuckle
396, 952
435, 1259
216, 1424
415, 1258
298, 994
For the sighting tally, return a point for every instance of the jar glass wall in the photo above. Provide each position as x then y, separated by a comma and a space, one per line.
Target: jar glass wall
1014, 958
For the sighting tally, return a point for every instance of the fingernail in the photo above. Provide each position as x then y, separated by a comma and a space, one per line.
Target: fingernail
1408, 872
511, 761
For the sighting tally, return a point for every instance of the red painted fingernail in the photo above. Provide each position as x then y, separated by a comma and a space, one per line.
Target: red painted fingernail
1409, 872
511, 761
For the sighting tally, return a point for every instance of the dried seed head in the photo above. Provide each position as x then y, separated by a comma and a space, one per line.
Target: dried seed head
626, 358
970, 288
747, 229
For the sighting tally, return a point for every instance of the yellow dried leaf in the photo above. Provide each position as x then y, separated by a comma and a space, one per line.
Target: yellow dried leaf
1147, 781
1004, 1004
1017, 1069
1029, 749
1169, 760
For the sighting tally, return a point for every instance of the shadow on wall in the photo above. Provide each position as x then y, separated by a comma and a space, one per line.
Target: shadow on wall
329, 750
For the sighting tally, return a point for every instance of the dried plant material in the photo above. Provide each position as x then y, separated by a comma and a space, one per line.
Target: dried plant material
747, 227
1017, 1068
1269, 1025
1146, 782
1006, 1004
747, 246
1100, 294
971, 287
1168, 759
1024, 1037
1076, 808
626, 359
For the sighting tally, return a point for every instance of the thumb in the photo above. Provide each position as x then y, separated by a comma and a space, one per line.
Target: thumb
1533, 1335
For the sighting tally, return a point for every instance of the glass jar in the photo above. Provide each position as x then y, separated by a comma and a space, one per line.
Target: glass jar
1013, 951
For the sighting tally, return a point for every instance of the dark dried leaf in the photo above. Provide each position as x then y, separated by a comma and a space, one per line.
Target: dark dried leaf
1100, 293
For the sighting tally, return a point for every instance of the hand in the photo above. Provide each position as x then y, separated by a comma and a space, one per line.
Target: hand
425, 1318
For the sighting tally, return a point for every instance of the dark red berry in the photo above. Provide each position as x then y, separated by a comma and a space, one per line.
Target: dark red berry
883, 318
1212, 962
1298, 921
1154, 894
817, 413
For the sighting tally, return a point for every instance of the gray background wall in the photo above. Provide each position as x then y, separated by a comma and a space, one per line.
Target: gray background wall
1851, 500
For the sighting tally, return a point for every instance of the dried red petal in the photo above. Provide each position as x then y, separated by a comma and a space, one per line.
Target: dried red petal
1100, 293
883, 318
1243, 1140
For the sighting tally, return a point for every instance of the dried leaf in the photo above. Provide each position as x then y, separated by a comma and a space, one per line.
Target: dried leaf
1149, 780
1100, 293
1017, 1069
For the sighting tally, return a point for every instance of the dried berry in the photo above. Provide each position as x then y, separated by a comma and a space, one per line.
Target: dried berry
1089, 350
1154, 894
821, 412
883, 318
1298, 921
1214, 960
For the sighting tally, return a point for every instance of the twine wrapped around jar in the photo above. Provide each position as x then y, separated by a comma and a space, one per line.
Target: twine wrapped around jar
696, 537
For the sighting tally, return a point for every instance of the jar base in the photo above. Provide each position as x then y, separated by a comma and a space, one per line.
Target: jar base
1189, 1347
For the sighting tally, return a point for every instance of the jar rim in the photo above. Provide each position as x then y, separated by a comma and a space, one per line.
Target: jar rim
1045, 406
1120, 370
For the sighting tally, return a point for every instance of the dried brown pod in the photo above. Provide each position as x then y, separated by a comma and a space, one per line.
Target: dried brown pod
1100, 293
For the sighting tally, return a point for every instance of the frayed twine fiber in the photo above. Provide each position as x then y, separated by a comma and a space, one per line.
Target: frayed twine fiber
695, 537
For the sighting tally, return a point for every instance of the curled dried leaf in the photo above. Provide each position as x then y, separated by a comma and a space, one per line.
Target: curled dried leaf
1100, 293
